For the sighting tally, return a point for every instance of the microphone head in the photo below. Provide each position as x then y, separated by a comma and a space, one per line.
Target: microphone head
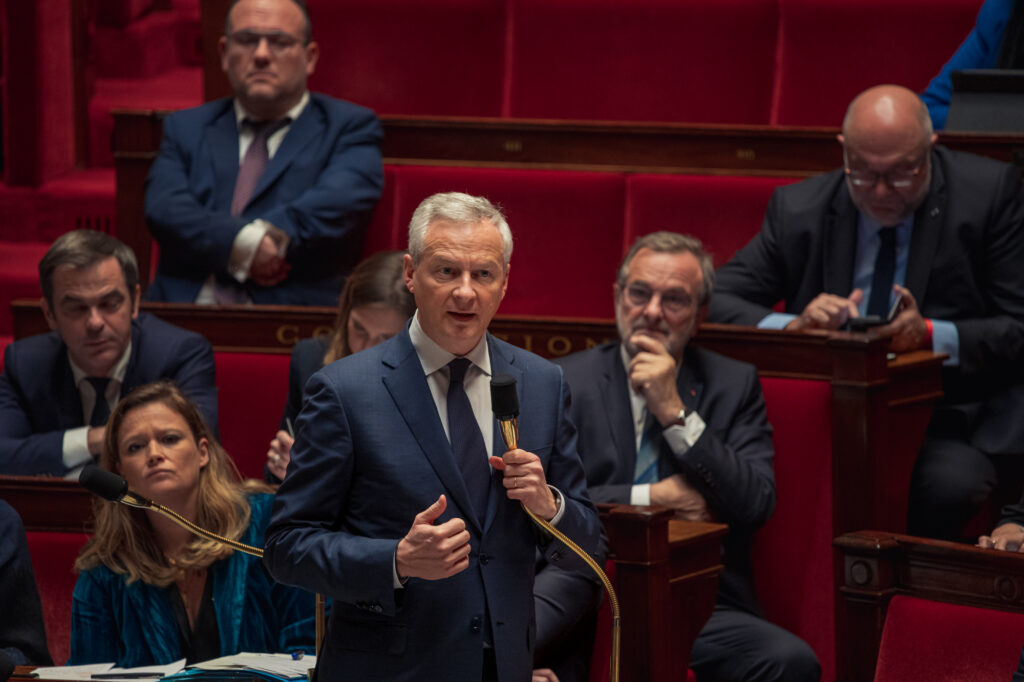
504, 399
100, 482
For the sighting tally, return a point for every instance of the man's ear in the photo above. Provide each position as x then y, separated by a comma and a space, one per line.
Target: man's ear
312, 55
136, 299
408, 269
222, 51
48, 314
504, 287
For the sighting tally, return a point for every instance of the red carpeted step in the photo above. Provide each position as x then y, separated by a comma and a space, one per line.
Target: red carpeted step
179, 88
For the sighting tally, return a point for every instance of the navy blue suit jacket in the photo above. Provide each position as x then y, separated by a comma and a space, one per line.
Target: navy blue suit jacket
964, 265
730, 464
22, 634
320, 188
371, 454
39, 400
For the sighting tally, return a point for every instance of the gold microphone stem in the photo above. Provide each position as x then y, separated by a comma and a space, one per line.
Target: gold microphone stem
510, 434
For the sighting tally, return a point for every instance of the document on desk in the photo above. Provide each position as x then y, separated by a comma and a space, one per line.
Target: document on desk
284, 666
71, 672
147, 672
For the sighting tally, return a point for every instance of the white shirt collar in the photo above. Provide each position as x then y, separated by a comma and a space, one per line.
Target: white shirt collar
241, 114
433, 357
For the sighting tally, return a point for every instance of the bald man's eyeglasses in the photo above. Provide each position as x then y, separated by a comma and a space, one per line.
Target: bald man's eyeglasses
896, 179
277, 42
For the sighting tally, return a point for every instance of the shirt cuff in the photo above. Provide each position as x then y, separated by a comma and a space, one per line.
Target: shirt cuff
75, 447
946, 339
775, 321
244, 248
640, 495
681, 437
560, 511
398, 582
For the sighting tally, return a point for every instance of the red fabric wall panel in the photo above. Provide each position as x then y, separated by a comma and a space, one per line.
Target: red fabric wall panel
438, 58
724, 212
252, 389
642, 60
792, 555
930, 641
566, 225
383, 234
830, 50
19, 277
53, 559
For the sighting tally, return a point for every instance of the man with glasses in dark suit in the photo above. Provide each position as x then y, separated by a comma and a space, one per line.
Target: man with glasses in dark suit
936, 236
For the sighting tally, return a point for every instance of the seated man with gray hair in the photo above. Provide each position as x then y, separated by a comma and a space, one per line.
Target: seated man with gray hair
662, 422
58, 389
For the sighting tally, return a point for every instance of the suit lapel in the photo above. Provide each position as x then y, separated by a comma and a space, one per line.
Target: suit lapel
65, 392
840, 244
924, 238
304, 130
222, 143
501, 363
618, 410
405, 382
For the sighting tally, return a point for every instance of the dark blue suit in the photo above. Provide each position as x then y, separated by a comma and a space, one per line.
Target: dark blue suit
22, 634
371, 454
964, 264
730, 464
39, 400
319, 187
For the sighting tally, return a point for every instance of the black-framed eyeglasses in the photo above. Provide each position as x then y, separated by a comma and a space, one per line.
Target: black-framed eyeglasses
673, 301
278, 42
896, 179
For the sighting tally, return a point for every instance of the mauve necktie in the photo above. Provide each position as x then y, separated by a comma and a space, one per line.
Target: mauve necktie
885, 268
101, 410
467, 441
254, 162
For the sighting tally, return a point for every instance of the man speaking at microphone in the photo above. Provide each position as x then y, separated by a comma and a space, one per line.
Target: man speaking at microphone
401, 503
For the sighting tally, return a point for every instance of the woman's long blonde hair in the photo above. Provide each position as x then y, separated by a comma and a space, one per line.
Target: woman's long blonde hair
123, 539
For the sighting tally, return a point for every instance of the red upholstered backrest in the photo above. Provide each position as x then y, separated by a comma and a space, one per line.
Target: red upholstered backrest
829, 50
724, 211
252, 389
645, 60
930, 641
19, 277
566, 225
792, 555
437, 58
53, 559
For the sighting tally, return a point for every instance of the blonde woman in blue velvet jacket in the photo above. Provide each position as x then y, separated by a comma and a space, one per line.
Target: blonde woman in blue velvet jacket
149, 592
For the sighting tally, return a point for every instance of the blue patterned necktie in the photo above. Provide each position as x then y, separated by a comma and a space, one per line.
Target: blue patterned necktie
646, 470
467, 441
101, 410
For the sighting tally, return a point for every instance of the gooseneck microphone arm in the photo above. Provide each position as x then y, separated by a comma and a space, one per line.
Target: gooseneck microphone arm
505, 404
110, 486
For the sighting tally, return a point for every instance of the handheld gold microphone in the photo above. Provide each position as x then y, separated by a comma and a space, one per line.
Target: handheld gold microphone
505, 405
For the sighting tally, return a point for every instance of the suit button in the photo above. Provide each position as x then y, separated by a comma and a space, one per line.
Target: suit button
484, 559
475, 624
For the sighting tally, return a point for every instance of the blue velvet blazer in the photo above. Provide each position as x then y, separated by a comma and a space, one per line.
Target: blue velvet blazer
134, 625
